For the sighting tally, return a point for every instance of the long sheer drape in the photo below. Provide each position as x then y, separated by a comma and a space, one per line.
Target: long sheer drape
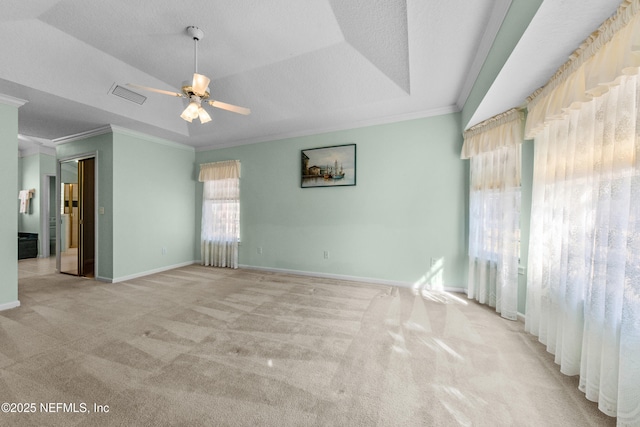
583, 286
220, 213
583, 298
494, 149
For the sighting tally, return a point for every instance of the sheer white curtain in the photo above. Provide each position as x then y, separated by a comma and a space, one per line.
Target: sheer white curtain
220, 213
583, 286
494, 149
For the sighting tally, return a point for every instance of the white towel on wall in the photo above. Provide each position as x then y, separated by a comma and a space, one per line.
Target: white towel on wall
24, 196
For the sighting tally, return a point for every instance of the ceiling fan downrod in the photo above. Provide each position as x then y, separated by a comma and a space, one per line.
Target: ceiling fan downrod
196, 34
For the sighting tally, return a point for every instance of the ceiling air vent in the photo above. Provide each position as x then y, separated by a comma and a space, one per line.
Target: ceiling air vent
128, 94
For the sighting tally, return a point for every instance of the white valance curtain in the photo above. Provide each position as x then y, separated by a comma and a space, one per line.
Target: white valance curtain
501, 131
610, 53
220, 213
494, 149
583, 285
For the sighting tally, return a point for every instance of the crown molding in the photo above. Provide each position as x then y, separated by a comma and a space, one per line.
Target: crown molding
82, 135
351, 125
30, 145
35, 139
12, 101
140, 135
113, 129
37, 150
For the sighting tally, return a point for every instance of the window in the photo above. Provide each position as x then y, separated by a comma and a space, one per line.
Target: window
494, 149
220, 213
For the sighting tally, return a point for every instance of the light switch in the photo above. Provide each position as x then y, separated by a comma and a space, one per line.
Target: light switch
101, 210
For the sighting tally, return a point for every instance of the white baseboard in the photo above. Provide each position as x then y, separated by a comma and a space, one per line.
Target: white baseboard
458, 290
9, 305
372, 280
145, 273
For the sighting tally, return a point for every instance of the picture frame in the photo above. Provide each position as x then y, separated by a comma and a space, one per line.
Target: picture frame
332, 166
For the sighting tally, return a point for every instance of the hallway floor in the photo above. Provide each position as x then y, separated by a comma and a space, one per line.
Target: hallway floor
31, 267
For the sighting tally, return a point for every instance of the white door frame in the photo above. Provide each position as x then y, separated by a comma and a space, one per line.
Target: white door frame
60, 160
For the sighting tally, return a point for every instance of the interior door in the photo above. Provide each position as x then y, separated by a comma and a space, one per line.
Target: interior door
86, 223
76, 238
67, 236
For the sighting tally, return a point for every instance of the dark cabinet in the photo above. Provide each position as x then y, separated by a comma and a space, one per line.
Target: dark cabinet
27, 245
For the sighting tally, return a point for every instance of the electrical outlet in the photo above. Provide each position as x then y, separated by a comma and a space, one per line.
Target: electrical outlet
326, 254
164, 251
259, 250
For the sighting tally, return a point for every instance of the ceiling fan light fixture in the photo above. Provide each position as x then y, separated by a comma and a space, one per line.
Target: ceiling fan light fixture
191, 112
204, 116
186, 116
194, 110
200, 84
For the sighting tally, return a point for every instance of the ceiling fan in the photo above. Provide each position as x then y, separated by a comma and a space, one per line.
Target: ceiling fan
198, 91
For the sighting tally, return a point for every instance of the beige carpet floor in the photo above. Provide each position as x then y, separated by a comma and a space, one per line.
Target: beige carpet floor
199, 346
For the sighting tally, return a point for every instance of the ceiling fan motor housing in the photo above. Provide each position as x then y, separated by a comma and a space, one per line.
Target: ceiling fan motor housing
195, 32
187, 89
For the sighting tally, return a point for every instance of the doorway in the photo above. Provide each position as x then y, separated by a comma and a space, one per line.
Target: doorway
76, 236
48, 216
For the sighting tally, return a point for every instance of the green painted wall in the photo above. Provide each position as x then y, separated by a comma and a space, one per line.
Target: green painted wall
29, 178
525, 220
47, 167
31, 169
9, 211
102, 145
153, 204
145, 186
409, 205
520, 14
69, 173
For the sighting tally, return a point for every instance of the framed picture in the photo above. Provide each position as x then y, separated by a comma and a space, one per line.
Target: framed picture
329, 166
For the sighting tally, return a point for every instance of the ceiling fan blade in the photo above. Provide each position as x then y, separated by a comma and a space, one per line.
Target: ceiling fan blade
229, 107
164, 92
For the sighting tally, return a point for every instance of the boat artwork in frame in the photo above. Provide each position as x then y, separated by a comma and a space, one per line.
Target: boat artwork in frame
333, 166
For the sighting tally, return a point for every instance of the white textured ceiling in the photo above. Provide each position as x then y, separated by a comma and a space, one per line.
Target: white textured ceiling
554, 33
302, 66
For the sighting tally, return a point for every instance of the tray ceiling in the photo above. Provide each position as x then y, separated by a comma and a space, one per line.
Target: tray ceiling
301, 66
